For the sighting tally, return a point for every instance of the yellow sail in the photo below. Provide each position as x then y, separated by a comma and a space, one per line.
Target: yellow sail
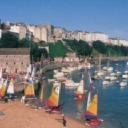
41, 96
29, 91
54, 98
92, 109
3, 89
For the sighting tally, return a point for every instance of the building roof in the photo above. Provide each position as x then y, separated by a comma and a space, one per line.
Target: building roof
14, 51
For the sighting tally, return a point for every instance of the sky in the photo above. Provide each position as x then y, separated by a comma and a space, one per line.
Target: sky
108, 16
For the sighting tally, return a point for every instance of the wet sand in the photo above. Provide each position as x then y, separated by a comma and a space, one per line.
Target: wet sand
18, 115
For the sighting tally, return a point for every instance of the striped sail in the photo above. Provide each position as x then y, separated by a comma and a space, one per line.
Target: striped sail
53, 100
92, 108
29, 91
10, 89
3, 89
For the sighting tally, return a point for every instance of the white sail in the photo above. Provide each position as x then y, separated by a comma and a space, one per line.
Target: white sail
1, 83
81, 87
0, 72
10, 89
28, 72
89, 99
33, 72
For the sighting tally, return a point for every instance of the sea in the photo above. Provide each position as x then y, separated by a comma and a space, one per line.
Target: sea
112, 99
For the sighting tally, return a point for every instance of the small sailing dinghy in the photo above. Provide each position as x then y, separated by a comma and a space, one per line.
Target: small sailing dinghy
3, 90
91, 112
1, 78
29, 93
52, 104
10, 90
80, 92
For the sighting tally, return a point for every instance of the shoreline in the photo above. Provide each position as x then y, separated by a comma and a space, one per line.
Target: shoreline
18, 115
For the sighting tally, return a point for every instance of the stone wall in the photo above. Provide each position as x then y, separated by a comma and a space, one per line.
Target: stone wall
14, 63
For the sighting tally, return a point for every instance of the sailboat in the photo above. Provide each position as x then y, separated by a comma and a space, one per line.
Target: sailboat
1, 82
52, 104
100, 72
29, 70
29, 91
40, 100
80, 93
10, 90
1, 79
3, 89
92, 111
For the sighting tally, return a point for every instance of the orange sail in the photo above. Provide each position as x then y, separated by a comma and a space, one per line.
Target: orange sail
53, 100
29, 91
3, 89
92, 108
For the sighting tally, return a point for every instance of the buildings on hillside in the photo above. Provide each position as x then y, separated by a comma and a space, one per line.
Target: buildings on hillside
49, 33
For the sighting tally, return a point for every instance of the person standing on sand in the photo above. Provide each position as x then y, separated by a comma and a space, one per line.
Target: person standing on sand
63, 120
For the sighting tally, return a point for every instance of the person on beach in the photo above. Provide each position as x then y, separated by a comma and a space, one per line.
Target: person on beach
63, 120
23, 99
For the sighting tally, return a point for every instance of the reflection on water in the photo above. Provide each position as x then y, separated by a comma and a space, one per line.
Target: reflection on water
113, 100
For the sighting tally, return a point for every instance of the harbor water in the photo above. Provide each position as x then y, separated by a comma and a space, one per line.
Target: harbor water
112, 100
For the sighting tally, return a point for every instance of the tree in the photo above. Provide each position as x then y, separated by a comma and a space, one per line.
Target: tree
24, 43
99, 46
57, 49
8, 40
81, 47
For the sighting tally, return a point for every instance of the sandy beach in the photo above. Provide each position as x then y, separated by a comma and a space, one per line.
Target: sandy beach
18, 115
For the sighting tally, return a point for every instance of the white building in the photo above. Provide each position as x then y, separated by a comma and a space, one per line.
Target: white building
14, 29
123, 42
21, 30
41, 33
99, 36
31, 28
114, 41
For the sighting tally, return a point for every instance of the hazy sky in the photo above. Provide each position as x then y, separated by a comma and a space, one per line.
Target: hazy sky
108, 16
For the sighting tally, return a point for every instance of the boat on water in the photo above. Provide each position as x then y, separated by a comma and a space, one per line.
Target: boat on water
106, 82
41, 97
91, 114
125, 76
70, 83
80, 92
52, 104
58, 75
110, 69
123, 84
65, 70
51, 80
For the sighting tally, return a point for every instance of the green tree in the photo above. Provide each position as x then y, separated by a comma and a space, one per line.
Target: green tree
81, 47
8, 40
24, 43
99, 46
57, 49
